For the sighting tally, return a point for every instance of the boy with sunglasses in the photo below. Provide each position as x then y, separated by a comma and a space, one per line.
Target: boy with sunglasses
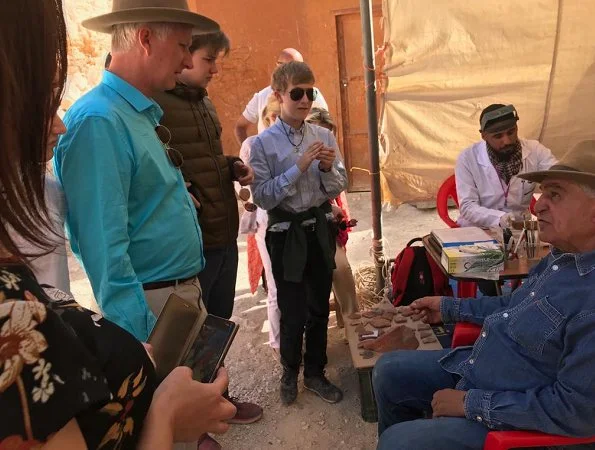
297, 170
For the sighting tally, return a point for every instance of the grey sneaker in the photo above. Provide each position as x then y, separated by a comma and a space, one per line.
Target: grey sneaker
323, 388
289, 388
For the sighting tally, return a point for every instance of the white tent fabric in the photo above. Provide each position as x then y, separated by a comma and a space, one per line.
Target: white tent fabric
446, 60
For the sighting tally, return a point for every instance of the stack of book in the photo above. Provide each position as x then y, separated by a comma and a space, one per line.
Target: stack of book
469, 250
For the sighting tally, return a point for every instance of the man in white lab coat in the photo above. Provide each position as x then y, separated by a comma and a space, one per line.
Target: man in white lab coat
489, 190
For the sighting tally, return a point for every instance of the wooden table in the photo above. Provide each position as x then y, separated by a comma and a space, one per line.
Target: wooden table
364, 367
513, 269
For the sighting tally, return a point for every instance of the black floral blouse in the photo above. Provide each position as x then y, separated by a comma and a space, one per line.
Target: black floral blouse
59, 361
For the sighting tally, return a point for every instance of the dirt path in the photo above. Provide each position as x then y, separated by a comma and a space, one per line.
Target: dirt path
254, 373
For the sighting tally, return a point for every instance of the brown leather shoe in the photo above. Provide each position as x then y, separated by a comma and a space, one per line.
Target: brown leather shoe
246, 412
206, 442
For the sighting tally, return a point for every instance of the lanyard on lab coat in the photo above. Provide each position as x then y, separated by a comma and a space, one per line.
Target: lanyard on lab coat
505, 191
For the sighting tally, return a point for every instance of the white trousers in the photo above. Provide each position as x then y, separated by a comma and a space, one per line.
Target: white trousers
273, 313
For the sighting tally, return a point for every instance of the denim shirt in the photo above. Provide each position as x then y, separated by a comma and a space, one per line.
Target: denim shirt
533, 365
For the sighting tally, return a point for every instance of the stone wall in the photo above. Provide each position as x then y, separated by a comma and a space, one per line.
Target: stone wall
87, 49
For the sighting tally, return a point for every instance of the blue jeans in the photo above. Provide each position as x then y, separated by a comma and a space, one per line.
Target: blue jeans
404, 384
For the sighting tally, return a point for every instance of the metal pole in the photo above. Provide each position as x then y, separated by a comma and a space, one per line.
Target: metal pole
370, 80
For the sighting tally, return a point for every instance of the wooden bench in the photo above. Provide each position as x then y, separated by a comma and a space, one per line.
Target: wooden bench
364, 367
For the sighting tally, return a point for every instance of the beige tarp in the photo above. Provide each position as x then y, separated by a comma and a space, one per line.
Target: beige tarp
448, 59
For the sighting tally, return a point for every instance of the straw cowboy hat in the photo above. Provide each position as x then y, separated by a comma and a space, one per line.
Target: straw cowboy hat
577, 165
147, 11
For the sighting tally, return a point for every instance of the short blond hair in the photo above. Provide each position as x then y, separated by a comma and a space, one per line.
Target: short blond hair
272, 107
320, 116
293, 72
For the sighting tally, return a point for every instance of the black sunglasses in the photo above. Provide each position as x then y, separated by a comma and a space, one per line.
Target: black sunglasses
174, 156
296, 94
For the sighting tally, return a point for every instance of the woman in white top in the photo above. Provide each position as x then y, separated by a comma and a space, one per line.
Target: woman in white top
269, 115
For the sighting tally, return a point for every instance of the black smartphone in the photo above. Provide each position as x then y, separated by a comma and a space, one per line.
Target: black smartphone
176, 329
208, 352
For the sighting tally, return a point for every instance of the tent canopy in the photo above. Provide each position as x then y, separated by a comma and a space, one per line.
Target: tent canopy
447, 60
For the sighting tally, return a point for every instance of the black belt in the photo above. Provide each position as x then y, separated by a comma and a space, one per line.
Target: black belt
151, 286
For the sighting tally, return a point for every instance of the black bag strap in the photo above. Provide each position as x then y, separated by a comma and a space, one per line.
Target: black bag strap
413, 241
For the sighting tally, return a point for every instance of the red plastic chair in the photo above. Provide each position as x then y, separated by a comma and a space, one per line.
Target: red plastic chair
449, 190
466, 334
446, 191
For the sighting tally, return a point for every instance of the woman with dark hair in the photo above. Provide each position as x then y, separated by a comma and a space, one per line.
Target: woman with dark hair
68, 378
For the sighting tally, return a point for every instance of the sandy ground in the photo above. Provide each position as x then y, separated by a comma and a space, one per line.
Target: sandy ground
254, 373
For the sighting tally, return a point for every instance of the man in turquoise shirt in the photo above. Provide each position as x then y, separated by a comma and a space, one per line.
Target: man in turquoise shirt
130, 218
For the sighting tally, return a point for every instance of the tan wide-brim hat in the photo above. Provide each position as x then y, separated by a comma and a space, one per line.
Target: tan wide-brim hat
148, 11
577, 165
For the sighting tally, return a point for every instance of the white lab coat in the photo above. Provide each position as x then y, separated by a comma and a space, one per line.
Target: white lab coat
480, 191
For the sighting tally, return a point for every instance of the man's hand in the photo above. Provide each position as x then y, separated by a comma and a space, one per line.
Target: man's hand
309, 155
427, 309
327, 158
448, 403
194, 199
243, 173
337, 213
506, 220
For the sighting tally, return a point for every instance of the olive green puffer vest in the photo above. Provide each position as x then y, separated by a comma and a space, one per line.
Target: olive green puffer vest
196, 133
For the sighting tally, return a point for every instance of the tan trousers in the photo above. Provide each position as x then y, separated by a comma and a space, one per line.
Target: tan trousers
343, 286
191, 292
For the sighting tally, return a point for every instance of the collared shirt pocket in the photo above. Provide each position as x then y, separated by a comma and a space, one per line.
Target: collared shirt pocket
534, 324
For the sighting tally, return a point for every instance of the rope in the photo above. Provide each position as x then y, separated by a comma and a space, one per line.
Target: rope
363, 170
365, 279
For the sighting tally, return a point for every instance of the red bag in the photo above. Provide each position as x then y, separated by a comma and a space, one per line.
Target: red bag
415, 275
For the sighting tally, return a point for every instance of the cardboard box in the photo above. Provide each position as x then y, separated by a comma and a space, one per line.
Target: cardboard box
457, 261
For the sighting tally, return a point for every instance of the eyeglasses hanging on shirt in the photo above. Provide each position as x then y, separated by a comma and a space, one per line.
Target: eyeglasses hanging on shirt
174, 156
244, 196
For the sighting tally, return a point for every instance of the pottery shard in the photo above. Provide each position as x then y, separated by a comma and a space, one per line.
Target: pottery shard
388, 315
423, 326
355, 315
361, 329
380, 322
400, 338
369, 314
367, 354
425, 334
429, 340
400, 319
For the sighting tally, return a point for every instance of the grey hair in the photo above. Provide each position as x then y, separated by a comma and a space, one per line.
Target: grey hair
588, 190
124, 35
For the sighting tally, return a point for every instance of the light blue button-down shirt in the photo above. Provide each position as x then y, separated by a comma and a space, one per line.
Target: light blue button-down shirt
130, 218
277, 179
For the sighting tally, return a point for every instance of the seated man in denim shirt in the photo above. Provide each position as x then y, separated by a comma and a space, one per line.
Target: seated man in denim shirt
533, 365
